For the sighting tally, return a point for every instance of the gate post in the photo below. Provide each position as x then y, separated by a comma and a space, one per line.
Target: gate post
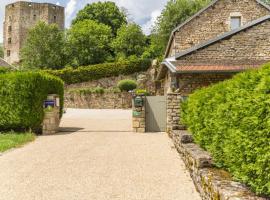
51, 119
174, 113
138, 114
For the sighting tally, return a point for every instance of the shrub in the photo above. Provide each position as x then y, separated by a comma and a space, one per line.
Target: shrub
232, 121
95, 72
86, 91
22, 95
127, 85
4, 70
142, 92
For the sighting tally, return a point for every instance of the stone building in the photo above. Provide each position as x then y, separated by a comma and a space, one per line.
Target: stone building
20, 17
226, 37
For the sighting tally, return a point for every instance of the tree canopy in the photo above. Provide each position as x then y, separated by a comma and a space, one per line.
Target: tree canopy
89, 42
107, 13
44, 47
130, 41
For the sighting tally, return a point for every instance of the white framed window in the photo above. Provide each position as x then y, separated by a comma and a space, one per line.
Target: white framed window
235, 22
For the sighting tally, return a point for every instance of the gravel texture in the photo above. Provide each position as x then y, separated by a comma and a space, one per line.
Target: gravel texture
97, 158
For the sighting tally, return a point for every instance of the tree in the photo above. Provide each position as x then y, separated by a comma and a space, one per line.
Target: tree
154, 49
44, 47
89, 42
174, 13
103, 12
130, 41
1, 51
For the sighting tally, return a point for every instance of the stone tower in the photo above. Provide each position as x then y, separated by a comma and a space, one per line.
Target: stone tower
20, 17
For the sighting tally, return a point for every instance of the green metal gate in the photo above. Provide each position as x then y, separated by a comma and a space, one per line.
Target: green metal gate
155, 114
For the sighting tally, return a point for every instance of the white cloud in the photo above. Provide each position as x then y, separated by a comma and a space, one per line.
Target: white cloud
71, 8
147, 27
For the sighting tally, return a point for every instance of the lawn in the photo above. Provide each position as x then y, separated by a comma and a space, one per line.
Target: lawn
10, 140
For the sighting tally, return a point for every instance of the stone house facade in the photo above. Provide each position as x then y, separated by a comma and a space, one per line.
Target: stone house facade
226, 37
20, 17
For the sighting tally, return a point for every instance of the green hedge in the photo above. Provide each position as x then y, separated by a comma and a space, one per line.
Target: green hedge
95, 72
22, 95
232, 121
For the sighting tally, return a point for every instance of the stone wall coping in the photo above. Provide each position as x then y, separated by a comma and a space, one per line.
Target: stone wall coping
212, 183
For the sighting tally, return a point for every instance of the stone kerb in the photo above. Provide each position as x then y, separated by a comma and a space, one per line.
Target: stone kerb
212, 183
51, 119
138, 114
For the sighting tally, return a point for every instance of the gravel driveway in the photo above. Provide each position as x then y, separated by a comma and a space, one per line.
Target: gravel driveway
98, 158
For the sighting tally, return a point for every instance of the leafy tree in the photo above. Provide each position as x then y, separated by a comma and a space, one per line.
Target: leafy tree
130, 41
174, 13
154, 49
44, 48
89, 42
103, 12
1, 51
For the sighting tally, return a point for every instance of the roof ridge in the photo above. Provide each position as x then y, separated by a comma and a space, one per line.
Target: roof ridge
197, 14
223, 36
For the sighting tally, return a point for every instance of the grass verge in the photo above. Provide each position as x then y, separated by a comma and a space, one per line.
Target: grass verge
10, 140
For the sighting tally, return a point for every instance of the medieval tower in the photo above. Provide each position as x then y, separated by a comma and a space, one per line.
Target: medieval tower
20, 17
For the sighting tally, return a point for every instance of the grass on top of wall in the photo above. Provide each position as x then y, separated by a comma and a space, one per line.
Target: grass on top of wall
9, 140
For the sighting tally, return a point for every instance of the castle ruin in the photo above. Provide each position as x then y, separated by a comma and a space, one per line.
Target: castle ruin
20, 17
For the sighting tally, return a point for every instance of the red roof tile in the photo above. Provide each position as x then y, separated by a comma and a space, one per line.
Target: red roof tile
212, 68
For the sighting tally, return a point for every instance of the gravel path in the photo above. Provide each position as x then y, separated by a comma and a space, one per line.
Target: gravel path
100, 161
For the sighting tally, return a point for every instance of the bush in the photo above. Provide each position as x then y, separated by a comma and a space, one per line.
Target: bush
86, 91
95, 72
22, 95
127, 85
4, 70
232, 121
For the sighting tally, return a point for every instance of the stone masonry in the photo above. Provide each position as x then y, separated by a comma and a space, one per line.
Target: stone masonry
138, 117
20, 17
249, 48
51, 119
215, 21
212, 183
108, 100
173, 112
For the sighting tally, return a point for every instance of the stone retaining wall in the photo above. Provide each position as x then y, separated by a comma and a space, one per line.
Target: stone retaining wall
99, 101
212, 183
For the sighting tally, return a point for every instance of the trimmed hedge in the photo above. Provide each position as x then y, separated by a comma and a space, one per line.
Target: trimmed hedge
232, 121
95, 72
127, 85
22, 95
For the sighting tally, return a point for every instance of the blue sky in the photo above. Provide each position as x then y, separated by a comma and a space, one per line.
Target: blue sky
143, 12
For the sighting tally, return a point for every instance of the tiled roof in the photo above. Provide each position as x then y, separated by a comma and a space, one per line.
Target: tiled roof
211, 68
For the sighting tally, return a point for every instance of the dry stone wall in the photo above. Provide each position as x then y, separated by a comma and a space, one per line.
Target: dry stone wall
212, 183
108, 100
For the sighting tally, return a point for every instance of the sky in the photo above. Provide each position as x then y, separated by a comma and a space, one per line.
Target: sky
143, 12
